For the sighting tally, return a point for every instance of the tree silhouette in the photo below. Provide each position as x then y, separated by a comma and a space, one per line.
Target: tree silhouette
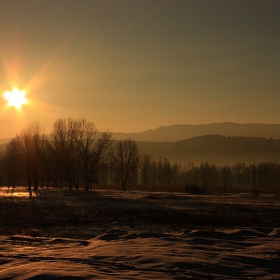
64, 142
79, 148
29, 148
124, 158
92, 146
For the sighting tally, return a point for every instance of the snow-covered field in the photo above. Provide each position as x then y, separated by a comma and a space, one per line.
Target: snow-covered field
139, 235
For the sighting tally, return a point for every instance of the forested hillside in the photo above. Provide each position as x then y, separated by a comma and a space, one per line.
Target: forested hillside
216, 149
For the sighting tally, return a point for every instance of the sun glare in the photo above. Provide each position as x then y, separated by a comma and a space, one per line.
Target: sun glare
15, 97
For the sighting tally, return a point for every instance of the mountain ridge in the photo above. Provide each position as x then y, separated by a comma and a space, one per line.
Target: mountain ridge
185, 131
218, 143
178, 132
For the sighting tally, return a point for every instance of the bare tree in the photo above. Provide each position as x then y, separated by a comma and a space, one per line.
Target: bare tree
91, 145
64, 143
100, 149
146, 169
30, 145
12, 163
79, 148
40, 145
124, 159
176, 171
2, 168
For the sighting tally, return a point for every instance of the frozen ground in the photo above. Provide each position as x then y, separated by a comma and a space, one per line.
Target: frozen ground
139, 235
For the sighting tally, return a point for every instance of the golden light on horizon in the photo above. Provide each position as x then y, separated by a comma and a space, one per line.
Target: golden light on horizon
15, 97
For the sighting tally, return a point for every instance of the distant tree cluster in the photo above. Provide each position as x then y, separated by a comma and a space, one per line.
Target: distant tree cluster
239, 177
75, 155
206, 176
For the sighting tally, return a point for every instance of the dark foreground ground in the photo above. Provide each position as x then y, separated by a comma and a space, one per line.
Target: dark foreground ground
139, 235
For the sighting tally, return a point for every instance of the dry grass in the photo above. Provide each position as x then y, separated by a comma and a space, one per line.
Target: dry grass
67, 213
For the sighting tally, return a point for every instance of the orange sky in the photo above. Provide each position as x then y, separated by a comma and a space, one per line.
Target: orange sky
134, 65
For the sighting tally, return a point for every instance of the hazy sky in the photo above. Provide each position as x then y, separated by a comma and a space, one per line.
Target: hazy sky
131, 65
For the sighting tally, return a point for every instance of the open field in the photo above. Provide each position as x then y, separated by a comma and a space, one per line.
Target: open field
110, 234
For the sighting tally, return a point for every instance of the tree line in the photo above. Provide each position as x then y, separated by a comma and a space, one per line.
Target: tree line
75, 155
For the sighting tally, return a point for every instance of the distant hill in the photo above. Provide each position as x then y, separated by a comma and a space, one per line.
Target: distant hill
218, 143
186, 131
216, 149
4, 140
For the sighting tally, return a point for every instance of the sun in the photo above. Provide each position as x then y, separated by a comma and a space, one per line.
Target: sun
15, 97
